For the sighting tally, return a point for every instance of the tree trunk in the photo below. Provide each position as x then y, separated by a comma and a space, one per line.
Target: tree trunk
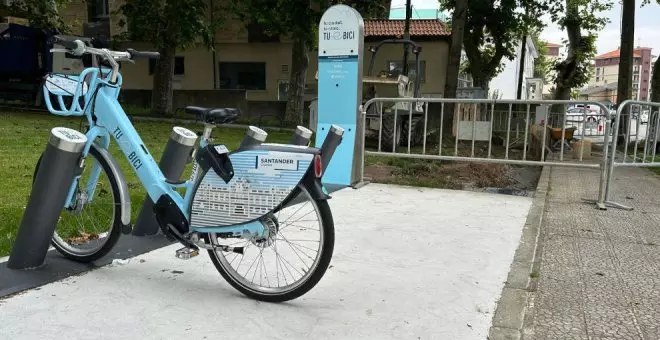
655, 82
626, 61
161, 95
455, 49
295, 105
568, 68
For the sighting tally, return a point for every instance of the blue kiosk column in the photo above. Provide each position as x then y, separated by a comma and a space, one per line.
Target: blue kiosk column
341, 44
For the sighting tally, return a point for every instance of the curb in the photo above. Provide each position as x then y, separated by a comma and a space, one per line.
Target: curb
509, 316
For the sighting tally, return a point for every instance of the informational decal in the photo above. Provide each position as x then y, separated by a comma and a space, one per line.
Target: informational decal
184, 132
340, 32
68, 134
221, 149
64, 85
277, 161
252, 192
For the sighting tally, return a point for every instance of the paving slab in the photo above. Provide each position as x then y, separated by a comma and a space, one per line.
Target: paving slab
409, 263
599, 269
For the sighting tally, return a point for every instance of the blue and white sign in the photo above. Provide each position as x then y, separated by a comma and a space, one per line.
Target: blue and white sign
341, 45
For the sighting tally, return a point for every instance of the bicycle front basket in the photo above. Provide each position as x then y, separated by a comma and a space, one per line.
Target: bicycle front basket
65, 94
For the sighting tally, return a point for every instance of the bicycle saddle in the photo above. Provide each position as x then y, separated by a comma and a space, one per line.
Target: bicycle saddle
215, 115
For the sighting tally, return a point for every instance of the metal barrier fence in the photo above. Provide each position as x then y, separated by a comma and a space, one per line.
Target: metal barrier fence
515, 132
646, 125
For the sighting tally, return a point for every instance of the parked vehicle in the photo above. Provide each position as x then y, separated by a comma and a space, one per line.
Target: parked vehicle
391, 83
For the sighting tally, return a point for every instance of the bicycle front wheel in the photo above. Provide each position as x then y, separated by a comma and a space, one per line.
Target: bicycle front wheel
287, 264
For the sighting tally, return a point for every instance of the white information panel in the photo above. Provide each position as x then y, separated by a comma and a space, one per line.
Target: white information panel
339, 32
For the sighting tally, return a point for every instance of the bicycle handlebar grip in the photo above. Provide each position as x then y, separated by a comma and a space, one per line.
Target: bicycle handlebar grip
69, 44
142, 54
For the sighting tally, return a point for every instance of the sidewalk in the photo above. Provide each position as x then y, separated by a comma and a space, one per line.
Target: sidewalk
599, 276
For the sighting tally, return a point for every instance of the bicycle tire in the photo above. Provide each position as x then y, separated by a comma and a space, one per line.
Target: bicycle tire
313, 279
115, 231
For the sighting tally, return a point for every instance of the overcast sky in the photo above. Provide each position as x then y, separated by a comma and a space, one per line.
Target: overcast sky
647, 26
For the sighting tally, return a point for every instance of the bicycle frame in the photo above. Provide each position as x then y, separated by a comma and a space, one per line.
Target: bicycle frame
107, 120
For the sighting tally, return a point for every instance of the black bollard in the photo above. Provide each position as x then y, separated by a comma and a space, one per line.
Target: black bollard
173, 162
253, 136
60, 163
330, 144
301, 136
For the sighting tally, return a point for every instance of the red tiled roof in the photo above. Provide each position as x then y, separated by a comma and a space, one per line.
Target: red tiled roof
549, 44
394, 28
615, 53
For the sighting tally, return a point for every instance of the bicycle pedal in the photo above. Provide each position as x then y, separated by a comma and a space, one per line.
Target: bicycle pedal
186, 253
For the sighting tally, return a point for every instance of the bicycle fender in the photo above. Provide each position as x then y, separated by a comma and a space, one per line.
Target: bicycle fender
315, 186
124, 196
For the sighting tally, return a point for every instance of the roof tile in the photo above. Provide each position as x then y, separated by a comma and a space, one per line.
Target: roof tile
418, 27
615, 53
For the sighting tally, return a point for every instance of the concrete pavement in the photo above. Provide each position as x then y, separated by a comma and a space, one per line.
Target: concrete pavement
599, 275
409, 263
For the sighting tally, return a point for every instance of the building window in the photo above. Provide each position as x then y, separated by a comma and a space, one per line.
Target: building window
179, 66
636, 69
636, 78
242, 75
396, 67
635, 86
257, 34
598, 72
98, 10
597, 78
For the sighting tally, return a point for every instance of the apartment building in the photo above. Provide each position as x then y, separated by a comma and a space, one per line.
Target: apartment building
606, 72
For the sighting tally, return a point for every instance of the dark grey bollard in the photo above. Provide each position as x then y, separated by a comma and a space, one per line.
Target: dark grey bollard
175, 157
253, 136
301, 136
330, 144
60, 163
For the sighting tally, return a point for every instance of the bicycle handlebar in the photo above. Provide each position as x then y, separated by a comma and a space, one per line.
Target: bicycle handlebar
77, 47
142, 54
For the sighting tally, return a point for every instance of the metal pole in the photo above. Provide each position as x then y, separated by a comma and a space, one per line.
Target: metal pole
60, 163
172, 164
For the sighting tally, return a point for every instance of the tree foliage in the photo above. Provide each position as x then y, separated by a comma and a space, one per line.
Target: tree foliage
581, 20
168, 25
39, 13
542, 64
493, 29
298, 20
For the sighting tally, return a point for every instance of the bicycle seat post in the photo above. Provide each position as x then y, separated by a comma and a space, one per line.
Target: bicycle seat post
206, 135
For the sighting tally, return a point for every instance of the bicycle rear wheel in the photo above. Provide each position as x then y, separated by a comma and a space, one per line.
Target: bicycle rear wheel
89, 228
290, 261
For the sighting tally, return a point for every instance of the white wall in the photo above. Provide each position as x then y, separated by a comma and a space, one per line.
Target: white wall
507, 81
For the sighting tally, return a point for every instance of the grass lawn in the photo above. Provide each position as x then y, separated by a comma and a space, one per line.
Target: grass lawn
23, 136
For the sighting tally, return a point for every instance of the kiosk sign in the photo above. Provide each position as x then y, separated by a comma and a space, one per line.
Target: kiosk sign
341, 41
339, 32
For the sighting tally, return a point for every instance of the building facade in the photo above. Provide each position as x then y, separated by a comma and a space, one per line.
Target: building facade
606, 71
506, 82
554, 52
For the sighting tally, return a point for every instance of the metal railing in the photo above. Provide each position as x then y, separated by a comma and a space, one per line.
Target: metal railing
646, 124
515, 132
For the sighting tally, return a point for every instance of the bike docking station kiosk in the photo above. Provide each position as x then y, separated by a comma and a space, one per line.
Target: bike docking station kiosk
340, 51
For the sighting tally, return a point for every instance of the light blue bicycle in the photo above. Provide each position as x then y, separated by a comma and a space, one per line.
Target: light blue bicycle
260, 211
